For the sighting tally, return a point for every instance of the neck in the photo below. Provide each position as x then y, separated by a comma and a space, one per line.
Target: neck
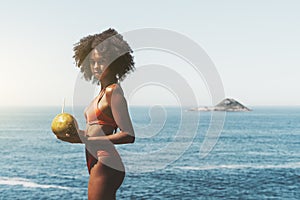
107, 80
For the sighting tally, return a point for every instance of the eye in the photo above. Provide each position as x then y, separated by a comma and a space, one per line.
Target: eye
92, 62
100, 62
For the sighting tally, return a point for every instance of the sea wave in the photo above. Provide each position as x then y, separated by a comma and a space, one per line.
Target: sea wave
28, 183
213, 167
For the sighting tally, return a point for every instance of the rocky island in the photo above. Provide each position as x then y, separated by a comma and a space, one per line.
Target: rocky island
228, 105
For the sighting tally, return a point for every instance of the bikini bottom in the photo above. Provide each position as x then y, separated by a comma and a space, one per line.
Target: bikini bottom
110, 159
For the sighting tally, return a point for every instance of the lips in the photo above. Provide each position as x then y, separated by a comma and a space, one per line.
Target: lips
97, 72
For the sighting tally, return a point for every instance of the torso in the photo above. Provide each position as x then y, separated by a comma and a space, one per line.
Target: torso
96, 129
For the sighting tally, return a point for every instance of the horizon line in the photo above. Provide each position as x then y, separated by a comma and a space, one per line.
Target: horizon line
163, 105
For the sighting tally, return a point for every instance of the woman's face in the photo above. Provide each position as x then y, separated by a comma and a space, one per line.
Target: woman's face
97, 64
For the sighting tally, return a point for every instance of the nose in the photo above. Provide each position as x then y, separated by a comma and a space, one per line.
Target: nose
96, 65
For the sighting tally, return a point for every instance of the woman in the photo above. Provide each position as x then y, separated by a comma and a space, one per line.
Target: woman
105, 58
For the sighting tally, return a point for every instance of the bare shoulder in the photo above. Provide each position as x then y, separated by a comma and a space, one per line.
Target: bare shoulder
115, 92
115, 89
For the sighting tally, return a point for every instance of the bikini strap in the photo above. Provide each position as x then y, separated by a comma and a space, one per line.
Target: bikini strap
103, 90
101, 94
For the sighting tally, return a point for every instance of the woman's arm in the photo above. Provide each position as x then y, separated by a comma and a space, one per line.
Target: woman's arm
76, 138
118, 104
117, 138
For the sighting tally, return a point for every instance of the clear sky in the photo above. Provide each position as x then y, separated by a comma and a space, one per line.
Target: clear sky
255, 44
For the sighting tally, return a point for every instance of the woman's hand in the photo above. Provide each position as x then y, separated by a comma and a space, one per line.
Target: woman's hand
70, 138
79, 137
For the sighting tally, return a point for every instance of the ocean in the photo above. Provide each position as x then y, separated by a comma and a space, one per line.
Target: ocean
256, 156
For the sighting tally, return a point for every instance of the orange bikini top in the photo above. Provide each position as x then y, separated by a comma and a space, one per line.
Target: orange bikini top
94, 115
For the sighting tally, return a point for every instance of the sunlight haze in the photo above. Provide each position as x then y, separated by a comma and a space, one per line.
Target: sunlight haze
254, 45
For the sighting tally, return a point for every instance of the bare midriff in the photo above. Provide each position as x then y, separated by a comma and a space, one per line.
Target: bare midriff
104, 150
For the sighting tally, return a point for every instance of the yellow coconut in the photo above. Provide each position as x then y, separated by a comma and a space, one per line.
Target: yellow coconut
64, 124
